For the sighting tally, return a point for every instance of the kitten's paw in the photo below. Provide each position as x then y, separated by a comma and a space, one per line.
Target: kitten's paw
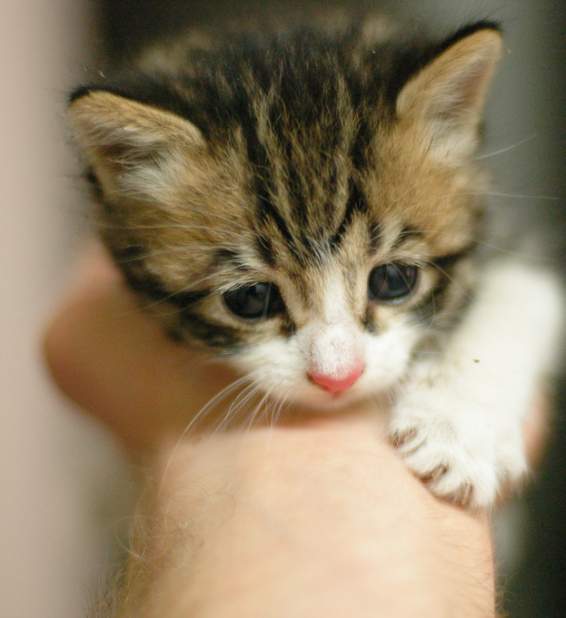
457, 458
435, 453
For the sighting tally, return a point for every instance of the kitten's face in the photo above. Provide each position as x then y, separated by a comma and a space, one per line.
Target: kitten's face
316, 252
354, 279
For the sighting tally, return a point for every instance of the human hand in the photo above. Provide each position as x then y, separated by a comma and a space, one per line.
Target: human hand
317, 478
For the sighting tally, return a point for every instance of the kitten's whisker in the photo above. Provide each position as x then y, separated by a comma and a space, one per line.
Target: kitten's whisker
274, 411
240, 402
504, 251
189, 227
283, 402
434, 312
447, 275
466, 291
227, 220
243, 397
200, 414
519, 196
257, 410
150, 254
179, 224
215, 400
267, 411
189, 288
506, 149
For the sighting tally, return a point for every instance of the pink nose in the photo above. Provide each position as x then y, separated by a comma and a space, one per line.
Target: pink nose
335, 385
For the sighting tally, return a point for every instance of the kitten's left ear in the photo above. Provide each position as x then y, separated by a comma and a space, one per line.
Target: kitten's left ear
446, 97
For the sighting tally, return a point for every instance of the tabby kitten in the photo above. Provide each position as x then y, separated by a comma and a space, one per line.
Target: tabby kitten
306, 204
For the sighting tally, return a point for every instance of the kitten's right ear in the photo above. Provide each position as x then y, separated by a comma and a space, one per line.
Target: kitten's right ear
132, 147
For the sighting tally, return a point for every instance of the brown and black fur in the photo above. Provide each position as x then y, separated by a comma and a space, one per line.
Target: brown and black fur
304, 158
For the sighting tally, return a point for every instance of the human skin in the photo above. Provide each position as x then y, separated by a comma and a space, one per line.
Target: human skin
315, 516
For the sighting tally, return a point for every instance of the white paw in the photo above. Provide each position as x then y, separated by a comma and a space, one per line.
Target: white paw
457, 453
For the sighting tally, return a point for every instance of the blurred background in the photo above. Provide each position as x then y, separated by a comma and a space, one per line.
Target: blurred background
64, 484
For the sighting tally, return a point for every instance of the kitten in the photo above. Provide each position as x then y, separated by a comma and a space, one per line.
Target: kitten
306, 204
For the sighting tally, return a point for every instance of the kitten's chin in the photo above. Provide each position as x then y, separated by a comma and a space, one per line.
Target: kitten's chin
324, 403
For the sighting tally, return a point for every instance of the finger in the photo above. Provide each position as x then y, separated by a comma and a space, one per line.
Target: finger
117, 364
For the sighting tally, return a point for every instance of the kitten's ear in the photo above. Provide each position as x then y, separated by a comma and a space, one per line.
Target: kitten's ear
132, 147
446, 97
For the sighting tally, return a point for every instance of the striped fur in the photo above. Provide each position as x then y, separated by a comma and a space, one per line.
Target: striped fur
283, 157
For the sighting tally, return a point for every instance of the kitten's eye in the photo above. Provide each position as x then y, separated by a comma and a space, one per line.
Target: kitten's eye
392, 282
253, 302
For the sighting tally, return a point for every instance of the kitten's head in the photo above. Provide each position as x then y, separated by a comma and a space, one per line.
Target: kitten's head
304, 205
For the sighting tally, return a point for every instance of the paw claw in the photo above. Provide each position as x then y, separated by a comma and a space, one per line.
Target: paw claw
450, 466
438, 433
435, 474
401, 437
462, 496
